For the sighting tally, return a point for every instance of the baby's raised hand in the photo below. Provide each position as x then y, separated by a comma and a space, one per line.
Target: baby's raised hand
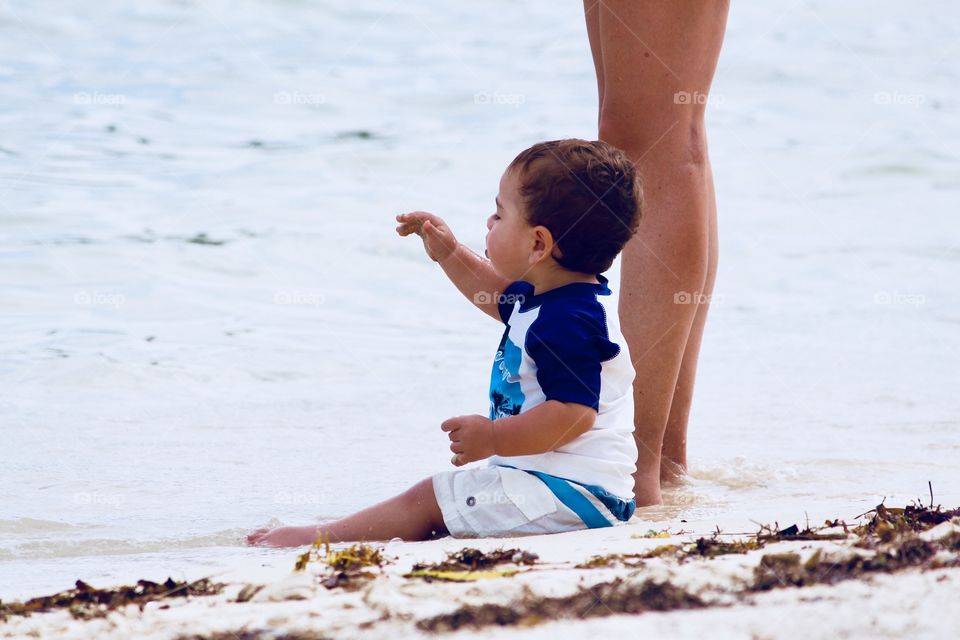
438, 240
471, 438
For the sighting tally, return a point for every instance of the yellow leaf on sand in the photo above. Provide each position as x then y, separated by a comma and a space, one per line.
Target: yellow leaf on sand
460, 576
652, 534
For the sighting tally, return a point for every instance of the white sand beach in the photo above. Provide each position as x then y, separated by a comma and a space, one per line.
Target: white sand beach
568, 591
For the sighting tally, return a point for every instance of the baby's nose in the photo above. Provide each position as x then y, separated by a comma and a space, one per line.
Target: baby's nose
490, 222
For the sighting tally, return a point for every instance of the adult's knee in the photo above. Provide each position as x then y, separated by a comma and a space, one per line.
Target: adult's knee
672, 138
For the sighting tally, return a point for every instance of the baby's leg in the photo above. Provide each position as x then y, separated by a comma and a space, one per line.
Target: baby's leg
412, 515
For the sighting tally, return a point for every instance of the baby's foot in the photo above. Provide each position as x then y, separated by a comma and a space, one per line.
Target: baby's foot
282, 537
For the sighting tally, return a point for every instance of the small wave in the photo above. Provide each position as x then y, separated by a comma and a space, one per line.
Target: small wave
22, 526
47, 549
739, 473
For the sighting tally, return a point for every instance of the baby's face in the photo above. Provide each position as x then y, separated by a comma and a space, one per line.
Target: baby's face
509, 237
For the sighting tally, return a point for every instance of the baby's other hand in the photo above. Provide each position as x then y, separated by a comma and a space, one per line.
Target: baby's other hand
438, 241
471, 438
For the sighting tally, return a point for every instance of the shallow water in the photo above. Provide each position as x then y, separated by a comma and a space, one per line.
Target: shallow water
209, 324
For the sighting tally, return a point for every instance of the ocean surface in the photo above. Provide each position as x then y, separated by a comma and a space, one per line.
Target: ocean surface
208, 323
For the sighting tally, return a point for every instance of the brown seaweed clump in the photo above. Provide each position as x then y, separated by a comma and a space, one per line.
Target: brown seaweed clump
85, 601
629, 560
605, 599
257, 634
888, 523
785, 569
713, 547
891, 534
702, 548
473, 564
347, 567
468, 559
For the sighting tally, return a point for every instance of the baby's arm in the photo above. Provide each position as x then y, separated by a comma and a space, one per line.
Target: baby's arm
546, 427
473, 275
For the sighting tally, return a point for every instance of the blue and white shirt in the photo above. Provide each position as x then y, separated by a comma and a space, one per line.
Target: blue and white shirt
565, 344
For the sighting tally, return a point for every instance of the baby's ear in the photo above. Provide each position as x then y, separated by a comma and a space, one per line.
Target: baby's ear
543, 244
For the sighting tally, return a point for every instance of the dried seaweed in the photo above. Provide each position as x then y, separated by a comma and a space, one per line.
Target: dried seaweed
473, 564
468, 559
892, 533
257, 634
609, 598
460, 576
632, 560
85, 601
346, 567
714, 547
886, 523
701, 548
793, 533
786, 570
704, 548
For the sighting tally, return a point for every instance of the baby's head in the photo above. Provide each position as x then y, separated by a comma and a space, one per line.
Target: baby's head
570, 204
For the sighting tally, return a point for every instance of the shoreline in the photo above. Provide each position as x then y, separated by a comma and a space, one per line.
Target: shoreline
896, 565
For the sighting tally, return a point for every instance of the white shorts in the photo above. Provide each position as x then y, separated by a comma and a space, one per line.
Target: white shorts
499, 501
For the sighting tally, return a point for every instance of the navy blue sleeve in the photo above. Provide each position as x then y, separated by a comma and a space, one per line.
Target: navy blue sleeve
510, 296
569, 348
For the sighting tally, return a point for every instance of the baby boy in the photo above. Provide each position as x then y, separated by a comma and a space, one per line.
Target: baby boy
558, 438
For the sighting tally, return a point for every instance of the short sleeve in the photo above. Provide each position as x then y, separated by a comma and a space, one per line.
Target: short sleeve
569, 352
510, 296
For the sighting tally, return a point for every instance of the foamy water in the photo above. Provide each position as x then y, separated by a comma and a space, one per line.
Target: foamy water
209, 324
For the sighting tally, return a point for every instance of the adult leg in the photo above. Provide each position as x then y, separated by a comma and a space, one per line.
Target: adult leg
591, 11
673, 455
412, 515
658, 61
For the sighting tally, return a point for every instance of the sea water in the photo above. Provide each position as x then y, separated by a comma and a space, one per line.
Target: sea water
209, 324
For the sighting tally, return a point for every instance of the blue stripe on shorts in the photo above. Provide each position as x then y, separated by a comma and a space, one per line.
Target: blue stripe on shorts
578, 503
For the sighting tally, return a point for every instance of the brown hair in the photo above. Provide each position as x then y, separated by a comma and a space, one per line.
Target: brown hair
587, 193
